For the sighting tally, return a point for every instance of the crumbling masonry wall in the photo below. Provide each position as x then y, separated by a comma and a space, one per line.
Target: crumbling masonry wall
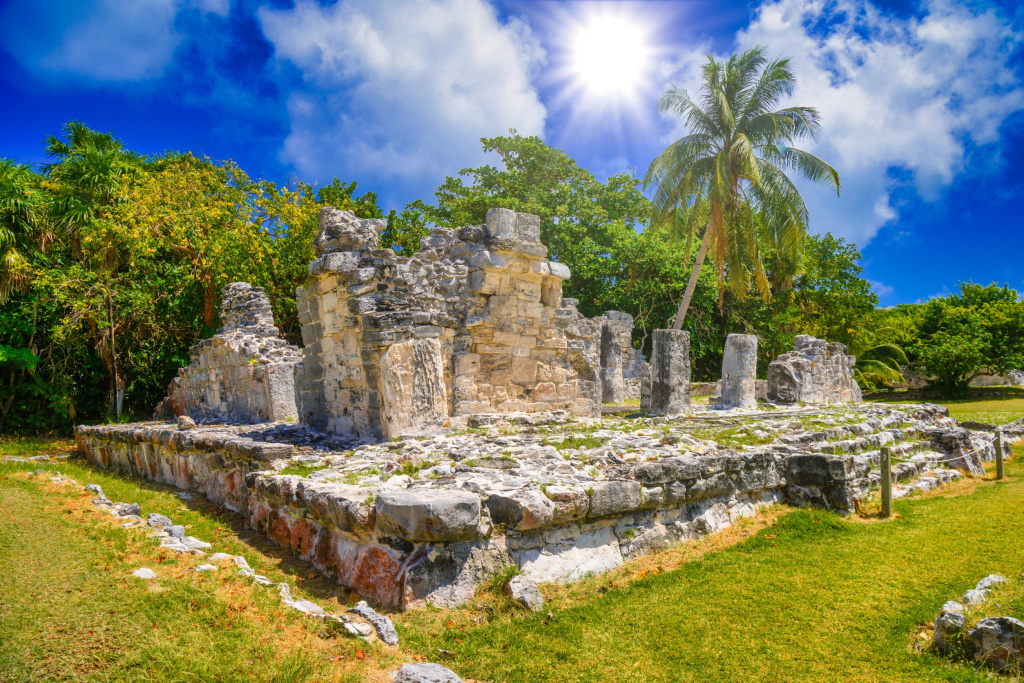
816, 371
472, 323
243, 374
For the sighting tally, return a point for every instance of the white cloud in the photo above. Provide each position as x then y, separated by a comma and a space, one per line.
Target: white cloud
402, 90
107, 40
881, 289
895, 94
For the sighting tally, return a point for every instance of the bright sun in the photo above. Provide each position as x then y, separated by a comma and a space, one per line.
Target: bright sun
610, 56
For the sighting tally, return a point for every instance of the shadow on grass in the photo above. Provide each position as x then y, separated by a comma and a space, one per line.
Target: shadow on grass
304, 575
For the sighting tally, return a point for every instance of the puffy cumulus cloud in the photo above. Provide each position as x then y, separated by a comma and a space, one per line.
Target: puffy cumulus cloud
902, 100
107, 40
402, 91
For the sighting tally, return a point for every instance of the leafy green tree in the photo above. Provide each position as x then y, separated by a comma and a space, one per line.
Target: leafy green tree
729, 173
979, 330
87, 179
835, 302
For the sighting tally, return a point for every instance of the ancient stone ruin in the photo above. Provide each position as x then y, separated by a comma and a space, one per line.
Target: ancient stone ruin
815, 371
446, 415
244, 373
473, 323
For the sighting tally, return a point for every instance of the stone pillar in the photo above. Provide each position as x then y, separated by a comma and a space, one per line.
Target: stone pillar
739, 371
613, 388
670, 372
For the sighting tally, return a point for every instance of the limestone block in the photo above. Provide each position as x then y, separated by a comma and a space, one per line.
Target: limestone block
342, 231
412, 378
428, 515
739, 371
670, 372
524, 370
594, 551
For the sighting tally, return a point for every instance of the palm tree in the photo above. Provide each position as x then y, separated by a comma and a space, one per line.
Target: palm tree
729, 173
22, 208
880, 365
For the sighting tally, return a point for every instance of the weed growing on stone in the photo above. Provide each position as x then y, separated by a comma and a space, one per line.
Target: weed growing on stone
301, 469
579, 442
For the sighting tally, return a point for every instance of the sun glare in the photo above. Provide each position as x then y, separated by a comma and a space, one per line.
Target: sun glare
610, 56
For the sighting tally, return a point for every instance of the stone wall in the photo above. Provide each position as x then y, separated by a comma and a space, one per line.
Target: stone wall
436, 543
488, 500
472, 323
816, 371
244, 373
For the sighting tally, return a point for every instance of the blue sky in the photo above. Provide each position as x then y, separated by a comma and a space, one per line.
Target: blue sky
922, 103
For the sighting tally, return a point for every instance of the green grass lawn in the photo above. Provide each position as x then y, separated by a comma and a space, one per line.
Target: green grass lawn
994, 405
71, 611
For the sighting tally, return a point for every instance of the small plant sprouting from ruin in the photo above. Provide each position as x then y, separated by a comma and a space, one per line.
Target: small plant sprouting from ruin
499, 579
579, 442
412, 469
302, 469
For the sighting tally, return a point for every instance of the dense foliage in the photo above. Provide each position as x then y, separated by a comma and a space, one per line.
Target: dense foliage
111, 264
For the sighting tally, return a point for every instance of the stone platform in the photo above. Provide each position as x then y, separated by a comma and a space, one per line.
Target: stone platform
426, 520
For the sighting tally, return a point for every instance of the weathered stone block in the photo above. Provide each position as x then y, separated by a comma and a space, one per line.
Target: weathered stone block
739, 371
429, 515
670, 372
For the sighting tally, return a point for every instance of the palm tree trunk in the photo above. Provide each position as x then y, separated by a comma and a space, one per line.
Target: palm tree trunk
694, 276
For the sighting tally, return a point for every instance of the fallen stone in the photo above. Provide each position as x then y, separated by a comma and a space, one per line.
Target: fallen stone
261, 580
156, 519
381, 624
176, 531
525, 592
306, 607
12, 458
989, 582
973, 598
425, 673
997, 642
128, 510
206, 568
104, 502
39, 458
219, 557
242, 564
951, 620
186, 422
193, 543
95, 488
144, 573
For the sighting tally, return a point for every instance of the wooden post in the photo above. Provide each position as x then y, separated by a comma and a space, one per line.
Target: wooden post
886, 482
999, 454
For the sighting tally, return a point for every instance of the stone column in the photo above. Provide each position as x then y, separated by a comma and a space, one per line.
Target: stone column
613, 388
670, 372
739, 371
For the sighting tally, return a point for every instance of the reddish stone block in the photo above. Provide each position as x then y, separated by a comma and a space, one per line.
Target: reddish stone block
378, 575
278, 528
179, 467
